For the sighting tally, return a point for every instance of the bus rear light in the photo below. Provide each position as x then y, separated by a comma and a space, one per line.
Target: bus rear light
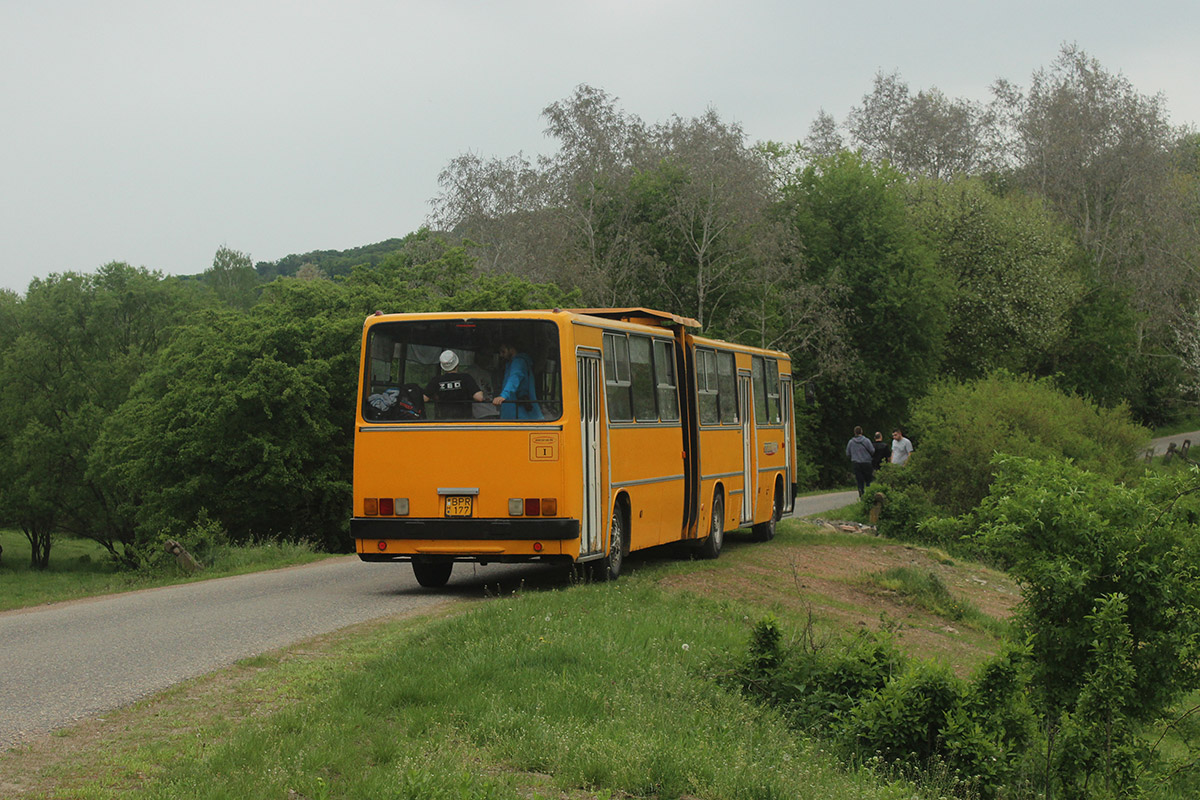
401, 506
371, 507
387, 507
533, 506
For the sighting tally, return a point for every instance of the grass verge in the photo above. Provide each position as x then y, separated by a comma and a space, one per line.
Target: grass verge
81, 568
587, 691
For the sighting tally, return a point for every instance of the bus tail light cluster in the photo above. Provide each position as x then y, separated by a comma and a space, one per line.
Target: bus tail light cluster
385, 506
532, 506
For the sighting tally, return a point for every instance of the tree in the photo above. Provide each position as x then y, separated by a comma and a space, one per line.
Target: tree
233, 278
80, 342
1104, 156
853, 222
1014, 270
928, 134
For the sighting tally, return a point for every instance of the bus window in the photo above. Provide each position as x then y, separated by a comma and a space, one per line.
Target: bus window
766, 391
405, 364
642, 374
664, 380
706, 386
617, 377
727, 385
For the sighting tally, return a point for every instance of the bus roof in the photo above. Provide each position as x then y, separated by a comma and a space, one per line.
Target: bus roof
646, 316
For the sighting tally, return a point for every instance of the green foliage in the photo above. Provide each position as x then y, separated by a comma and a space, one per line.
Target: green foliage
76, 344
903, 721
1014, 270
960, 426
1073, 538
1097, 738
914, 717
906, 505
852, 219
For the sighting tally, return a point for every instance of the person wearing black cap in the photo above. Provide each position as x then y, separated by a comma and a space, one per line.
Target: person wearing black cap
452, 391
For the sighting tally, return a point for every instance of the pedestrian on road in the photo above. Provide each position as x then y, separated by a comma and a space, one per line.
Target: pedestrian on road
901, 448
860, 450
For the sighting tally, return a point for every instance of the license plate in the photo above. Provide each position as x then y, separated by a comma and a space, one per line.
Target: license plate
458, 505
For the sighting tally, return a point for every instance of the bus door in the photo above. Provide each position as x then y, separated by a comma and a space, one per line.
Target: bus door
749, 472
591, 520
789, 449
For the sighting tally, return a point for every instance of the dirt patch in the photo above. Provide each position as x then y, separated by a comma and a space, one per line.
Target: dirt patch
797, 577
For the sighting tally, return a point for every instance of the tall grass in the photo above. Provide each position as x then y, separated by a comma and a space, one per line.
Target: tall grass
603, 690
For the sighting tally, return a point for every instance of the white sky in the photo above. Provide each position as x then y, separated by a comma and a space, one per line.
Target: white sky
156, 131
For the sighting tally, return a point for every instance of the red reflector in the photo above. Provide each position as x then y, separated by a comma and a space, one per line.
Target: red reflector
387, 507
533, 507
382, 545
537, 547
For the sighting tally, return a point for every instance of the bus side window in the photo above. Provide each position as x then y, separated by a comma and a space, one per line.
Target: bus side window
617, 378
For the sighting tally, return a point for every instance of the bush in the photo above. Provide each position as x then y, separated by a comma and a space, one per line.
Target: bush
906, 504
902, 722
960, 427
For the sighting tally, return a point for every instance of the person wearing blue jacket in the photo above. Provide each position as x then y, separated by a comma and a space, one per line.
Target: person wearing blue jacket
518, 397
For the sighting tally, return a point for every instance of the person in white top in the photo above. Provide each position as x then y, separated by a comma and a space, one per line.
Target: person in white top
901, 448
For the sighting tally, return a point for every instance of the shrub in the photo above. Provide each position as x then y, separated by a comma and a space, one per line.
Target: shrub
902, 722
906, 504
960, 426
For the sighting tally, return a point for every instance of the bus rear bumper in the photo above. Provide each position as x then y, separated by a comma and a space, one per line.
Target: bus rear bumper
474, 529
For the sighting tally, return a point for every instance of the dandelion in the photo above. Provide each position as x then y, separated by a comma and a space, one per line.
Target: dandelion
686, 646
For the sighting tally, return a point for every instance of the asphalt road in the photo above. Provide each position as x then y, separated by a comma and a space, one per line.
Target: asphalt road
63, 662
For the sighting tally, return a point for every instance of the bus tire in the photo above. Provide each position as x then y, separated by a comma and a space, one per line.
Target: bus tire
609, 567
710, 546
765, 531
432, 574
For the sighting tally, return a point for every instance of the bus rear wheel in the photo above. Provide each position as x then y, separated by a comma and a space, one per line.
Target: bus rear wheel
609, 567
710, 547
765, 531
432, 574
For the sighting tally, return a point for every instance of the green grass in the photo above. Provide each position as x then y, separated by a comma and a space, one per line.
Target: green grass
81, 568
926, 590
593, 691
1185, 425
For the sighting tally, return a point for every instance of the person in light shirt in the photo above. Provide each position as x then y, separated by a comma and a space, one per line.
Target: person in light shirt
901, 448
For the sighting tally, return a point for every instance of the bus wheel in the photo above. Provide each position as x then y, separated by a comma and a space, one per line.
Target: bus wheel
765, 531
710, 547
609, 567
432, 574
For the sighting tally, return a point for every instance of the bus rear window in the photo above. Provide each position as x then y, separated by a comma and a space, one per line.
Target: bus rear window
436, 370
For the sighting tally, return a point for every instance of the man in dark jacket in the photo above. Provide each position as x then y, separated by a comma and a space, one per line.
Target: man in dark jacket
860, 450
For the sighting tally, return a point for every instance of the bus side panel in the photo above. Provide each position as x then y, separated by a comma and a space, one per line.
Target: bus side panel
646, 462
721, 464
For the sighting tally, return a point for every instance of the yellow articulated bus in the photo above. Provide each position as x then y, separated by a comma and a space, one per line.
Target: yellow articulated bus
575, 436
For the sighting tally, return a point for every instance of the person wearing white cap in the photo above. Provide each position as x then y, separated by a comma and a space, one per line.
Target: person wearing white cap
452, 391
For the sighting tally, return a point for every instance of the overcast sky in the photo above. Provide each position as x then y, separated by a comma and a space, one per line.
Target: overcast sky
155, 131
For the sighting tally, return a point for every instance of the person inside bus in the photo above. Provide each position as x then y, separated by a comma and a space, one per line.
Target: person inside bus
453, 391
517, 398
